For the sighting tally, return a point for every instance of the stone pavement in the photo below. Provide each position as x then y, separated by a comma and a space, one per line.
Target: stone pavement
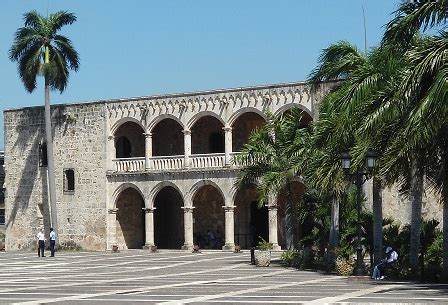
174, 277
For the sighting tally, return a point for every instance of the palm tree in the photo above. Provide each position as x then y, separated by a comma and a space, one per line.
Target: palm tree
424, 92
413, 15
272, 159
40, 50
359, 78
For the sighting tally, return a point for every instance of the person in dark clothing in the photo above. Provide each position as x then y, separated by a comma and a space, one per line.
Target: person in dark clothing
52, 241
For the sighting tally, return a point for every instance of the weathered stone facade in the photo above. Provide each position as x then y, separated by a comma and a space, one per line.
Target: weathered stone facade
148, 171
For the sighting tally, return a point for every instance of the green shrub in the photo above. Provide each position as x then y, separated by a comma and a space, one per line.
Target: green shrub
263, 245
290, 258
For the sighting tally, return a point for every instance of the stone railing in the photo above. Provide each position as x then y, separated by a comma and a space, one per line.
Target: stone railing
207, 160
167, 162
129, 164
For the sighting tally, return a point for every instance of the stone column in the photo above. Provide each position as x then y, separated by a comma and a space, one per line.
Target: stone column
148, 150
228, 144
230, 228
273, 229
187, 147
112, 228
188, 228
149, 228
110, 152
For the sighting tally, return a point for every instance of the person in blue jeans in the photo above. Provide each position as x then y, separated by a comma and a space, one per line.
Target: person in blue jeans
390, 260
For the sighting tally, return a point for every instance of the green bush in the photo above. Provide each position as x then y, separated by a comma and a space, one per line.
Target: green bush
290, 258
263, 245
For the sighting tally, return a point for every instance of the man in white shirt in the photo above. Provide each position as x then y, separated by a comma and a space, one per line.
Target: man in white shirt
40, 243
52, 241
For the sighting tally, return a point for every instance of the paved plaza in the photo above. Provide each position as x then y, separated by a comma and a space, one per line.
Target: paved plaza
175, 277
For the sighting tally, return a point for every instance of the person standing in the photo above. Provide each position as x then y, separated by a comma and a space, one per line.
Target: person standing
52, 241
40, 243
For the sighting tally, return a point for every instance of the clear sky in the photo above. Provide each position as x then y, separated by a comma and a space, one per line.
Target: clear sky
134, 48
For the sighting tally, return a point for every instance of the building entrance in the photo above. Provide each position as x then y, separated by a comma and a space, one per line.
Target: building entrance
168, 219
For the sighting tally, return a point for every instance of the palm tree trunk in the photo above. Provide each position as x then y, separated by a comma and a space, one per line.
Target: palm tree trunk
289, 219
416, 215
334, 230
444, 195
445, 231
377, 221
50, 158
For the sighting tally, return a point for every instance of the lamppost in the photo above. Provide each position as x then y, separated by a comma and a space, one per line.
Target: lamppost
358, 178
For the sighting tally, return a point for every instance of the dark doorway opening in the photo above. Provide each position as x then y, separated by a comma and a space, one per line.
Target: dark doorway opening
216, 142
259, 221
123, 148
168, 219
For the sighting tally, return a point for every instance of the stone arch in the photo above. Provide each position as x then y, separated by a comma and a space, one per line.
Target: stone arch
244, 125
244, 110
162, 117
202, 114
289, 106
209, 221
198, 185
168, 217
123, 187
124, 120
129, 140
167, 138
130, 230
250, 220
158, 187
207, 135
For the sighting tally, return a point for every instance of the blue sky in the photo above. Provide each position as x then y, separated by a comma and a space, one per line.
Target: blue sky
144, 47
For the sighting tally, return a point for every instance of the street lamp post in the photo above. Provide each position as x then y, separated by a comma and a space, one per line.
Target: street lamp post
358, 178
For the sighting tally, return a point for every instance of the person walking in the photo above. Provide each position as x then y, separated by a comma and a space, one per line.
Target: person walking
52, 241
40, 243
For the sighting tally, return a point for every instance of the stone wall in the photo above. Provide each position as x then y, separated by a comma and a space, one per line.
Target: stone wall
398, 207
79, 144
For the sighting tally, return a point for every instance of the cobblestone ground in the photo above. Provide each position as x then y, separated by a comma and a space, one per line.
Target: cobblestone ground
179, 277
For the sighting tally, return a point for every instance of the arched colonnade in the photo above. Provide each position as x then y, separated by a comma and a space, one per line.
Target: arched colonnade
210, 213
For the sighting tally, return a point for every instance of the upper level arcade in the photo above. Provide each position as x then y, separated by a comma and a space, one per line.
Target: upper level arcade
197, 130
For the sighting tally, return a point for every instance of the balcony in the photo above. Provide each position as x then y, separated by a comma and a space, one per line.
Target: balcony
172, 163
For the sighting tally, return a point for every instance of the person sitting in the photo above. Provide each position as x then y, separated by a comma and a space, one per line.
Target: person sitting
389, 262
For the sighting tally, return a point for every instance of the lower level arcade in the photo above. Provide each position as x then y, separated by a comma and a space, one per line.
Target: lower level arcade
209, 218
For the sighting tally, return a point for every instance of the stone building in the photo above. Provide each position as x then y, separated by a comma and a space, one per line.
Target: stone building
147, 171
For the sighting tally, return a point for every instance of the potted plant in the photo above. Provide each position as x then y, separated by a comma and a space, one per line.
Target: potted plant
263, 253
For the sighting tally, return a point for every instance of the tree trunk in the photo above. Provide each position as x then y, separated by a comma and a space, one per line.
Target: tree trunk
377, 221
334, 230
289, 219
416, 215
50, 159
444, 195
445, 231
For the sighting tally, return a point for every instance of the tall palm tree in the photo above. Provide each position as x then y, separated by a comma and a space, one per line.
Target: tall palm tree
359, 77
272, 160
424, 92
40, 50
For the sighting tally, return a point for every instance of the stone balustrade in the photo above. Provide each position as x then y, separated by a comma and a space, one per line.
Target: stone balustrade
162, 163
129, 164
208, 160
166, 163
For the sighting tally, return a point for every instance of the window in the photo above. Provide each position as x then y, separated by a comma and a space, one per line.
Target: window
43, 161
69, 180
2, 216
